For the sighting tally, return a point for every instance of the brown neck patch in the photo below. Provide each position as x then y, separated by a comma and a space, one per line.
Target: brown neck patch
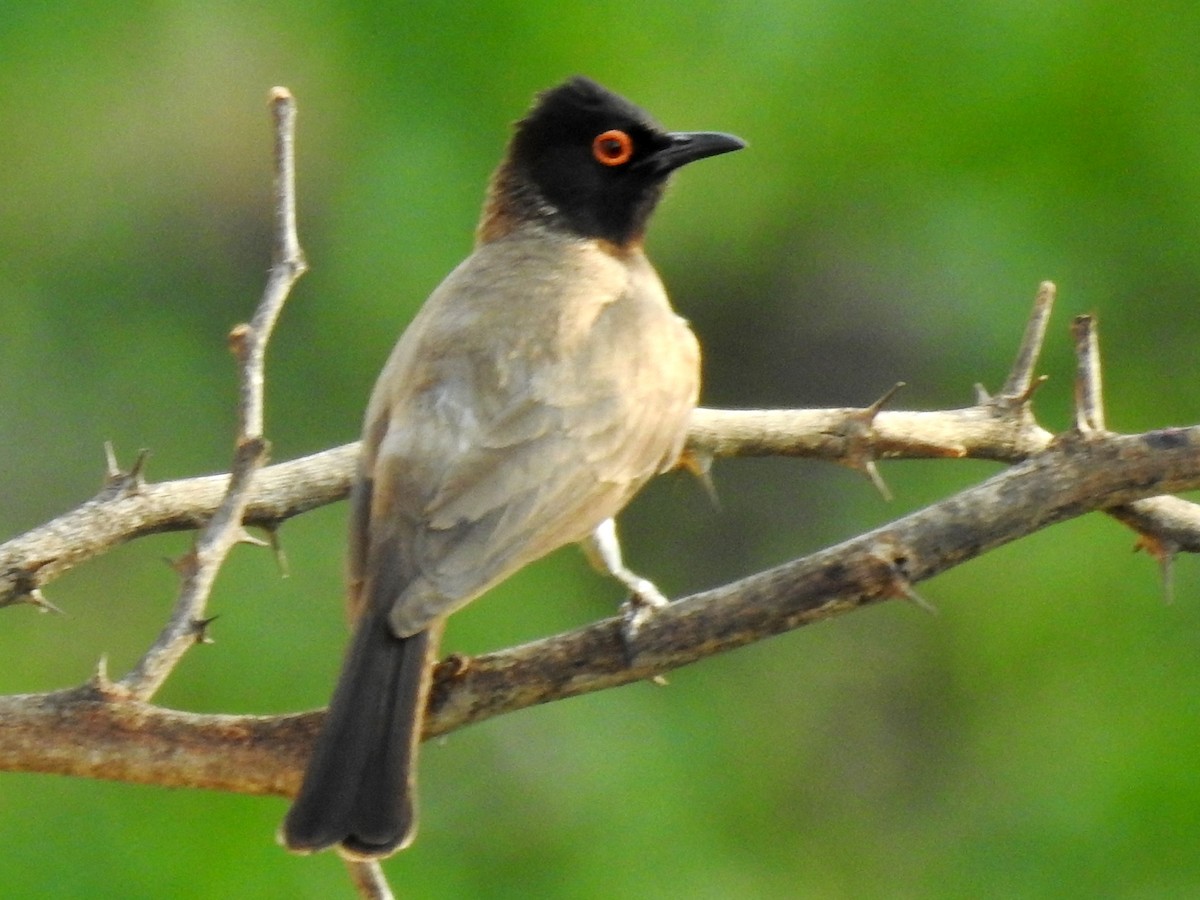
500, 217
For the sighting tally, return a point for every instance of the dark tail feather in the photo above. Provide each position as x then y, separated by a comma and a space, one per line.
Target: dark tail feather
360, 785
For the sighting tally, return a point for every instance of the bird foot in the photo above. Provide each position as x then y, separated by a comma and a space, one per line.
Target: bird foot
643, 604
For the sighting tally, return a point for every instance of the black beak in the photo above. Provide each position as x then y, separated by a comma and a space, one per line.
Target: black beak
689, 146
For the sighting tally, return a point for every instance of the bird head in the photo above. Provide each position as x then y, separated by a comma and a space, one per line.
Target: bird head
588, 161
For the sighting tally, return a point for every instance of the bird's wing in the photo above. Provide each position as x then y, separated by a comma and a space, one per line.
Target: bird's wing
507, 467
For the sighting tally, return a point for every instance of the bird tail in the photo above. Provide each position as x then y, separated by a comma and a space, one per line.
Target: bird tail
359, 790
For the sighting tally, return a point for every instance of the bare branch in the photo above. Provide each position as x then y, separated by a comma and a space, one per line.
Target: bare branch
1072, 478
95, 731
1171, 519
123, 482
291, 488
115, 517
287, 265
199, 567
1000, 428
107, 729
279, 492
98, 731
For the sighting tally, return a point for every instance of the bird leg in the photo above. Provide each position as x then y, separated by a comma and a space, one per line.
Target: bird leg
603, 550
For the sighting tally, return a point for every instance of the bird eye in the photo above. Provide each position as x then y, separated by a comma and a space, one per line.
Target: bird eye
612, 148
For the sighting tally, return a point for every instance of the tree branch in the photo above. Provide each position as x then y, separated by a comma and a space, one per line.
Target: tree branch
224, 529
97, 732
1000, 428
122, 512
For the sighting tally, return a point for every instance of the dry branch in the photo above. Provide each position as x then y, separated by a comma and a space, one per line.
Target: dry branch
96, 731
224, 529
288, 489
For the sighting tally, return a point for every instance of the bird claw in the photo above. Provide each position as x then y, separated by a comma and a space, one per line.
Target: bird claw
604, 551
643, 604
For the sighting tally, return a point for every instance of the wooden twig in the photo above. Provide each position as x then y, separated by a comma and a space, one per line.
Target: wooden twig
92, 731
278, 493
198, 568
288, 489
31, 560
1173, 520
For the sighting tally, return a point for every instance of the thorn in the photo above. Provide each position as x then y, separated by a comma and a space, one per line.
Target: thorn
239, 340
1027, 395
895, 561
139, 465
111, 469
100, 681
200, 630
872, 472
1089, 397
908, 593
860, 434
276, 545
245, 537
710, 490
103, 687
1019, 378
1164, 552
699, 463
119, 482
183, 565
37, 599
891, 392
1166, 568
1009, 402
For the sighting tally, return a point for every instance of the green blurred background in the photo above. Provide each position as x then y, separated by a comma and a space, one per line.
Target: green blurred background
914, 170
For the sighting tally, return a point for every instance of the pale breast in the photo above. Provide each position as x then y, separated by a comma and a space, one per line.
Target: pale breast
542, 384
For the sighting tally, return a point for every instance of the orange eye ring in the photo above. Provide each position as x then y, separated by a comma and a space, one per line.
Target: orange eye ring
612, 148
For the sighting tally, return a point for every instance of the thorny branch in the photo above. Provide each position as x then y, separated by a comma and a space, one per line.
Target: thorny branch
109, 730
1000, 428
82, 731
198, 568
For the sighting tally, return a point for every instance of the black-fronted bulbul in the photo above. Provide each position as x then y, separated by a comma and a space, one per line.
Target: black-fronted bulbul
539, 387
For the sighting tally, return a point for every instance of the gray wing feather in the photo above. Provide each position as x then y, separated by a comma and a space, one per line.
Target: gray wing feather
527, 442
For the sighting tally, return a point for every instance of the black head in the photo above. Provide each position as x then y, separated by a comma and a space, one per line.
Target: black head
589, 161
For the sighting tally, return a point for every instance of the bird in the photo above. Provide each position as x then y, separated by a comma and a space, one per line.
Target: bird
539, 387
